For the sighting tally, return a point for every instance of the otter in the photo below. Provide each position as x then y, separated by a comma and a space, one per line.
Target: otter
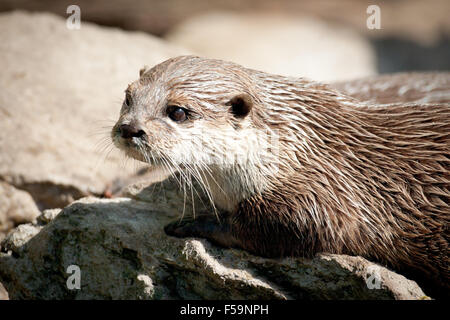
295, 167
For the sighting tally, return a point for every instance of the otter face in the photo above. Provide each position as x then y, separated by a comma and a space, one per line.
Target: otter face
176, 116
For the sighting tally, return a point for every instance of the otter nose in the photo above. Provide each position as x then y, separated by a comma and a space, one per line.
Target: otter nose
128, 131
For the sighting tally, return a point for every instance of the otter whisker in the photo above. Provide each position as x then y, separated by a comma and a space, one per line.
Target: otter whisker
205, 187
104, 153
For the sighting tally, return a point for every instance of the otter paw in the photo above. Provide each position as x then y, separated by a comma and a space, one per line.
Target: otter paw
202, 226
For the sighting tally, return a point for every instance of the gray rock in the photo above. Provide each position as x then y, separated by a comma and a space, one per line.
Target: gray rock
16, 239
16, 207
123, 253
399, 18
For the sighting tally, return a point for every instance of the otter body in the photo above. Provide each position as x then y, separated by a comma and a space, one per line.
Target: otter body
295, 167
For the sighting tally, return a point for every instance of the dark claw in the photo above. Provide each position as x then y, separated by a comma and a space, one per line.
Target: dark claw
180, 229
207, 227
202, 226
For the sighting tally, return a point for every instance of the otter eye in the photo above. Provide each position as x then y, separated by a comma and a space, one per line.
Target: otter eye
176, 113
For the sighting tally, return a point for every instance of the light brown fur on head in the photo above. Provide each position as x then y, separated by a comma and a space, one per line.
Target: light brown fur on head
340, 176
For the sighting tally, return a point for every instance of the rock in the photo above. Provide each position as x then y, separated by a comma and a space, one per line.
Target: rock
279, 44
61, 93
16, 207
57, 85
425, 87
16, 240
3, 293
48, 215
123, 253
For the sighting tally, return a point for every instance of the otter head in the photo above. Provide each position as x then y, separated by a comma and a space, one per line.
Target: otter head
196, 116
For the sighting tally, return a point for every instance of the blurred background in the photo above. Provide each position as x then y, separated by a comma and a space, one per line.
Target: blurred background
323, 39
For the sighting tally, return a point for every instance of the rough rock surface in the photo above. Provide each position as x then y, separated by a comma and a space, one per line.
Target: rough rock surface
123, 253
61, 90
279, 44
3, 293
16, 207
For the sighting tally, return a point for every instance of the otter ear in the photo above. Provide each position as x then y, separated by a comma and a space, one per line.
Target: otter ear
240, 105
143, 70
